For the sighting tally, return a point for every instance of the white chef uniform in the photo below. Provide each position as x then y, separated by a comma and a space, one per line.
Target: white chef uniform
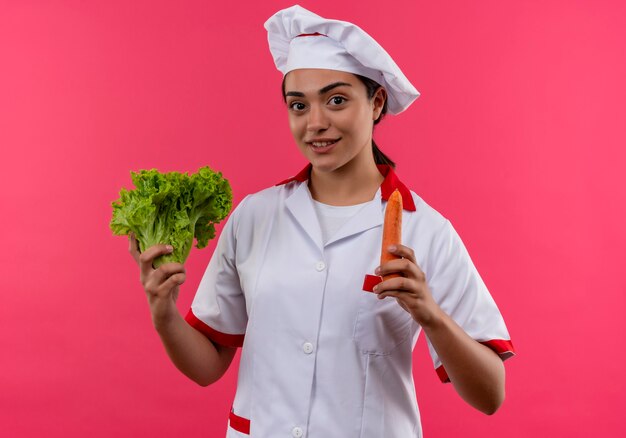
321, 357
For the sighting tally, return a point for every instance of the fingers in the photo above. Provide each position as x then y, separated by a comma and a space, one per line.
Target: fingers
411, 276
400, 288
171, 282
398, 295
403, 251
133, 247
404, 267
395, 284
147, 257
162, 281
164, 273
158, 283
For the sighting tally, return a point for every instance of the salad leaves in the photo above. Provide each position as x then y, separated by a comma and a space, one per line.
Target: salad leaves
172, 208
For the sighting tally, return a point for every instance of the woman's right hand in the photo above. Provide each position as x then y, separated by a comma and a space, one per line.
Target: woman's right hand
161, 285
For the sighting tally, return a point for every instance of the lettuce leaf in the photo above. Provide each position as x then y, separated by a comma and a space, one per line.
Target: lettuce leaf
172, 208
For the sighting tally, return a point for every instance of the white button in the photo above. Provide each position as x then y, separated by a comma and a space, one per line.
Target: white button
307, 347
296, 432
320, 266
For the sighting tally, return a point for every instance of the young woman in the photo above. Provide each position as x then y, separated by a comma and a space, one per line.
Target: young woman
321, 357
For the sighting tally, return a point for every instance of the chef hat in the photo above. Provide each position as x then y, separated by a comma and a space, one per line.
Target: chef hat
298, 38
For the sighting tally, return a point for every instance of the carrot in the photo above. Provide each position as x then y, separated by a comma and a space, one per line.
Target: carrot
392, 229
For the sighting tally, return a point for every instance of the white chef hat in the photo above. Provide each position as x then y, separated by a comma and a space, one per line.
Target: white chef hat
298, 38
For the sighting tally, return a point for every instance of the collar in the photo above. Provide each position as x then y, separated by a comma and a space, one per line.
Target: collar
389, 184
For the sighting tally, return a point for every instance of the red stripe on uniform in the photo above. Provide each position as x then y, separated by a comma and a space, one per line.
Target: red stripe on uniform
238, 423
370, 281
311, 34
502, 347
390, 183
442, 374
218, 337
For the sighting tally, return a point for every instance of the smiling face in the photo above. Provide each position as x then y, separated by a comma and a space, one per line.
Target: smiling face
331, 117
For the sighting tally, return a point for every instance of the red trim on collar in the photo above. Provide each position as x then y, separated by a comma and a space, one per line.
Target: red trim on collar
390, 183
310, 34
302, 176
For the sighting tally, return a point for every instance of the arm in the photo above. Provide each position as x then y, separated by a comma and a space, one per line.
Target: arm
191, 352
476, 372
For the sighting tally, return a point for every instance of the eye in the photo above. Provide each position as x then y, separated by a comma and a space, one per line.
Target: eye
297, 106
337, 100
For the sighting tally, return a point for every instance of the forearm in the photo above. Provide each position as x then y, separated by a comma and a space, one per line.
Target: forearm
191, 352
476, 371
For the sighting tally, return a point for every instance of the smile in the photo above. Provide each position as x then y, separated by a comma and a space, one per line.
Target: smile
322, 144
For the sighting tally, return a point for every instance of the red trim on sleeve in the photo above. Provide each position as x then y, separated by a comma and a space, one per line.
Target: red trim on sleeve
218, 337
238, 423
504, 349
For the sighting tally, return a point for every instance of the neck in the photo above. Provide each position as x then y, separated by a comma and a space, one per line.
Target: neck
353, 183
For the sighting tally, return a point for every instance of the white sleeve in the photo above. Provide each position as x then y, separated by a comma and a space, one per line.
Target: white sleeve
460, 292
218, 309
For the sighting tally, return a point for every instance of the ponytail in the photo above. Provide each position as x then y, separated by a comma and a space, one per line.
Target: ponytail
373, 86
380, 157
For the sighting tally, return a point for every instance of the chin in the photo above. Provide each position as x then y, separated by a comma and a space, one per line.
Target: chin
327, 166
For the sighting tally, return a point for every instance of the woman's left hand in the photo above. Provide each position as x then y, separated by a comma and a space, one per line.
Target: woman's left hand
410, 290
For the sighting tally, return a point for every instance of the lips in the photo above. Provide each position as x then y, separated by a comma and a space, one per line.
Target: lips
323, 145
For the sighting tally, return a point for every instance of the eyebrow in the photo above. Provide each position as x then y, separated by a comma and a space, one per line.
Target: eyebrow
324, 90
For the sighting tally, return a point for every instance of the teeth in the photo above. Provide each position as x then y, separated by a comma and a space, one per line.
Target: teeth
322, 144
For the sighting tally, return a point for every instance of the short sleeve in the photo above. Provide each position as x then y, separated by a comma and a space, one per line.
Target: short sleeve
460, 292
218, 309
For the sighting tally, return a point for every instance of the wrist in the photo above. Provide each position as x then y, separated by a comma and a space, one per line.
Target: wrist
434, 320
163, 312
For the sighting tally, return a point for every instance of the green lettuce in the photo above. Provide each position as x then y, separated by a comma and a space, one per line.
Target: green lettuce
172, 208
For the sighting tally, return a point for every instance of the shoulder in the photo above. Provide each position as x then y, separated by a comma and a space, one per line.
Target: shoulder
266, 199
256, 207
427, 215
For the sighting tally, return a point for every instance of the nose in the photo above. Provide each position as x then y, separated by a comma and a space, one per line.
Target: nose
317, 120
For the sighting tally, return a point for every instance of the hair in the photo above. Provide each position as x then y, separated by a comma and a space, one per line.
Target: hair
371, 87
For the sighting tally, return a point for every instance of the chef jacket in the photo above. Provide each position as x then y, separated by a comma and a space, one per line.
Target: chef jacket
321, 357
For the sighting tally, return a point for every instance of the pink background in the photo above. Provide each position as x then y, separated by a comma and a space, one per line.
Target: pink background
518, 139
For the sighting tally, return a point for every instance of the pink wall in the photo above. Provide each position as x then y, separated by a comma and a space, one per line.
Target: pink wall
518, 138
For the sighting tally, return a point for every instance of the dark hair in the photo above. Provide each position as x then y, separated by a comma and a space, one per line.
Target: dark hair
371, 87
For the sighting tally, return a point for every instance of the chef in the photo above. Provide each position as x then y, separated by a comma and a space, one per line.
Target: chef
295, 279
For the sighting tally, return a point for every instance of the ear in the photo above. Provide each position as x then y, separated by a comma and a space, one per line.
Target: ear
378, 102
